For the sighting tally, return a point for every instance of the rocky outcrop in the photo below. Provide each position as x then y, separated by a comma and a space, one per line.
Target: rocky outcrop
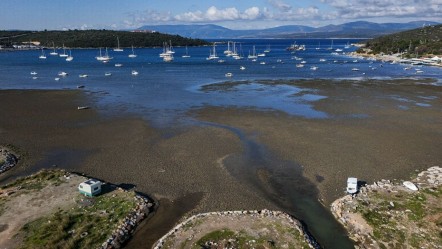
127, 227
251, 213
381, 214
7, 160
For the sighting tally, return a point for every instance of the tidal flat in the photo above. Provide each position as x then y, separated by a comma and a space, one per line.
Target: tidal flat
231, 158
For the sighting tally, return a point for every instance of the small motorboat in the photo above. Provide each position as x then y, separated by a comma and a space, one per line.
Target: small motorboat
228, 74
80, 86
63, 74
33, 73
82, 107
107, 74
134, 72
83, 75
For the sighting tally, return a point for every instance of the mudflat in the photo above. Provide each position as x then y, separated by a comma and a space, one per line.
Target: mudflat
374, 129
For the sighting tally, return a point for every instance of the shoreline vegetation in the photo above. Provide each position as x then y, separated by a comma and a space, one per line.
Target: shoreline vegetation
23, 40
388, 214
422, 46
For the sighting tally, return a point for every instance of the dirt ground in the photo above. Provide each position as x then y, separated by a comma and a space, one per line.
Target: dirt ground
25, 206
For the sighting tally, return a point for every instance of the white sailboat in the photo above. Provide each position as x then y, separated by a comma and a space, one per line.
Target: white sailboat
212, 55
43, 55
168, 58
228, 52
186, 55
267, 49
64, 52
253, 55
53, 52
133, 55
69, 58
105, 58
118, 49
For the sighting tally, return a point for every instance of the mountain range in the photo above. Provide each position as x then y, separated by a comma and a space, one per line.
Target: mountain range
359, 29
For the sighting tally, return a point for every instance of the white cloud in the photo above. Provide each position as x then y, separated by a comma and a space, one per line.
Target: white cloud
213, 14
355, 9
280, 5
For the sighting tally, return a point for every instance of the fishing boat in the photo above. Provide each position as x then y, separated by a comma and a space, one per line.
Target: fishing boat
133, 55
118, 49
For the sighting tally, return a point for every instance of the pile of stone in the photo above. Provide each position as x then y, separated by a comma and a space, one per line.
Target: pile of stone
10, 160
429, 178
125, 230
253, 213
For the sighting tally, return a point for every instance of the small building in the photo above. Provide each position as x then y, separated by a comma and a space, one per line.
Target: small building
352, 185
90, 187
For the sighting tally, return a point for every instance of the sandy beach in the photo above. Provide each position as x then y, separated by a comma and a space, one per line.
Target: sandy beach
375, 129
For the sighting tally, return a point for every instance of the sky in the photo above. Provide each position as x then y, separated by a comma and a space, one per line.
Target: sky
234, 14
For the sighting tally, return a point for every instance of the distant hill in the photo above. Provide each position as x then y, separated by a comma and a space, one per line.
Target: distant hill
421, 41
359, 29
96, 38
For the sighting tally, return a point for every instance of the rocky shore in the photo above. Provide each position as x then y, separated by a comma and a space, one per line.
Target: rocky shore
124, 231
224, 219
387, 213
7, 160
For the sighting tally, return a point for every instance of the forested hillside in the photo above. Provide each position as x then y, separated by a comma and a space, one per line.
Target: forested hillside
95, 38
421, 41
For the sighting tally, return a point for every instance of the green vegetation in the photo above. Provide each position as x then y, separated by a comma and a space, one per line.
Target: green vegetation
95, 38
38, 181
403, 218
421, 41
86, 226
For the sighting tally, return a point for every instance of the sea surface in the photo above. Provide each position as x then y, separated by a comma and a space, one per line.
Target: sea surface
163, 92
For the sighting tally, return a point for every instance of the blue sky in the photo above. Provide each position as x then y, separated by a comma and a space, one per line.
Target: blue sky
236, 14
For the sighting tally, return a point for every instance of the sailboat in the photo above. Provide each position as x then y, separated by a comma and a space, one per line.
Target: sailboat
104, 58
133, 55
253, 55
228, 52
319, 46
331, 46
186, 55
69, 58
118, 49
53, 52
64, 52
212, 55
43, 55
267, 49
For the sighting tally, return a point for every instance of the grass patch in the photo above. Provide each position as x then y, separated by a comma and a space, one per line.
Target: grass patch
81, 227
39, 180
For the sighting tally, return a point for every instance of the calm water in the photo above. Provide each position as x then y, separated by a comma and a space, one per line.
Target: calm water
163, 92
